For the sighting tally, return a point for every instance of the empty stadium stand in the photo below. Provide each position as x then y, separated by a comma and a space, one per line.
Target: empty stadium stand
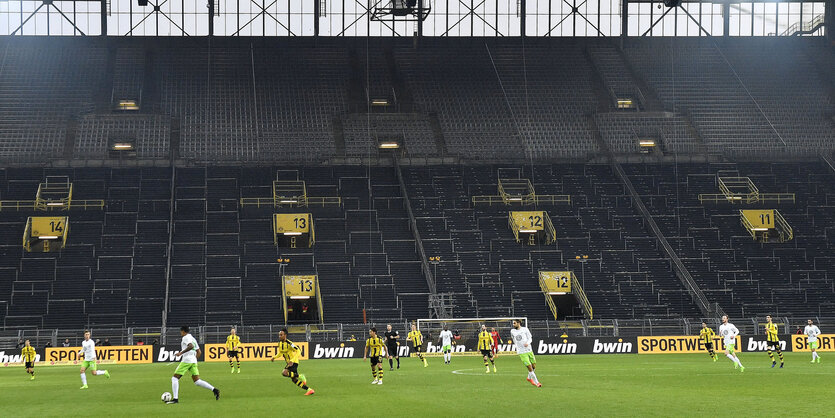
219, 122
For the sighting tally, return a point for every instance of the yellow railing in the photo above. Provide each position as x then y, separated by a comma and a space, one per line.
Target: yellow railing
513, 226
777, 197
26, 232
548, 299
545, 199
577, 289
761, 197
783, 227
291, 203
550, 231
748, 225
319, 301
35, 205
284, 297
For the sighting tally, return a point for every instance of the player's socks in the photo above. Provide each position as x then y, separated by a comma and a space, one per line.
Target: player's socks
83, 379
238, 362
733, 359
99, 372
204, 384
175, 388
374, 374
391, 364
770, 355
380, 376
300, 383
398, 362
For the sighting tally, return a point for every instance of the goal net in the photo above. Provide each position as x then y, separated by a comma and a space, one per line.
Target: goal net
465, 333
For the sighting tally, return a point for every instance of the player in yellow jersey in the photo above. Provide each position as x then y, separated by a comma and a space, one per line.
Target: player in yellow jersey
374, 349
707, 335
27, 354
233, 344
485, 344
772, 341
290, 353
416, 338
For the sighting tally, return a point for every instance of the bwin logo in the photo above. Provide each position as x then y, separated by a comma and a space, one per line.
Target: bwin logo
165, 355
618, 347
754, 345
333, 352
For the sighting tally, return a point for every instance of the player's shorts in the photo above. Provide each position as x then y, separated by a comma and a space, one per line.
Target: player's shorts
813, 345
446, 348
730, 347
29, 365
391, 350
232, 353
89, 365
487, 353
184, 368
772, 344
293, 368
375, 360
527, 358
417, 349
709, 346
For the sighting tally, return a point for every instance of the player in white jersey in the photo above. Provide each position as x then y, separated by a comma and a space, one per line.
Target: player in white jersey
445, 338
88, 350
189, 350
524, 347
812, 331
729, 332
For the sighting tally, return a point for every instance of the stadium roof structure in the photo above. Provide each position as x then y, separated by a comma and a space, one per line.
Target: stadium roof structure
458, 18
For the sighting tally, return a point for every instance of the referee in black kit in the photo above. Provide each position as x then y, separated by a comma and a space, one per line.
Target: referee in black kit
391, 346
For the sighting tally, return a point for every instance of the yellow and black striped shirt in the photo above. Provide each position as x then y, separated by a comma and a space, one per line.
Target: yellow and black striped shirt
28, 354
288, 350
375, 346
706, 335
485, 340
771, 331
232, 342
416, 338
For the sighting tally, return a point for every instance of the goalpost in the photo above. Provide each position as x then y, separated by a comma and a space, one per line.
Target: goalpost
465, 332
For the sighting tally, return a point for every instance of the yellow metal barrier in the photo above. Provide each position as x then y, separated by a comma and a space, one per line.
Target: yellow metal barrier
577, 289
319, 303
523, 201
748, 226
548, 299
513, 226
44, 206
291, 203
783, 227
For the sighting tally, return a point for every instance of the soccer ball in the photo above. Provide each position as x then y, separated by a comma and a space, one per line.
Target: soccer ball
166, 396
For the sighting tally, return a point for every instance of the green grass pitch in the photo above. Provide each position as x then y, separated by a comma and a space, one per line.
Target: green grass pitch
580, 385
